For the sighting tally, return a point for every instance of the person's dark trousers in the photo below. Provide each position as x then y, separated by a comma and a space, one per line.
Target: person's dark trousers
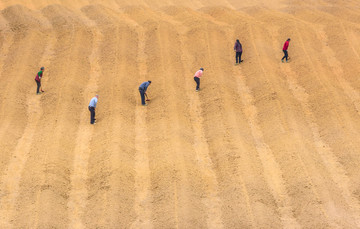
197, 80
92, 114
38, 86
142, 94
238, 57
285, 55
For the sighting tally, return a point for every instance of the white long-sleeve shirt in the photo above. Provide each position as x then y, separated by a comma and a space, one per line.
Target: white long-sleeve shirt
93, 102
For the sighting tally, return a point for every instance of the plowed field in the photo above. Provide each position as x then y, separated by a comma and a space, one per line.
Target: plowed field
263, 144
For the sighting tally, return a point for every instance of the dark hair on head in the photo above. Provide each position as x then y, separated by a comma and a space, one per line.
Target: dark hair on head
288, 39
237, 40
149, 81
201, 69
42, 68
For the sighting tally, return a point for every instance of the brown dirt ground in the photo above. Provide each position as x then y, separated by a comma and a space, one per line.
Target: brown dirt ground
262, 145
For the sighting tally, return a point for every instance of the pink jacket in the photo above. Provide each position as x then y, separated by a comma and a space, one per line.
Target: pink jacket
198, 74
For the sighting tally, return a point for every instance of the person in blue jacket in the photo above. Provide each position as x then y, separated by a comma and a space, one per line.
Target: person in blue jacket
142, 89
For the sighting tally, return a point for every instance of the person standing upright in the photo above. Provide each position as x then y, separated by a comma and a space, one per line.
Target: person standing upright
238, 51
92, 106
285, 48
197, 77
38, 80
142, 89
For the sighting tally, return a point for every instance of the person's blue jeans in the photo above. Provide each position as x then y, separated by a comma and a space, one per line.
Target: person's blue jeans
286, 56
142, 94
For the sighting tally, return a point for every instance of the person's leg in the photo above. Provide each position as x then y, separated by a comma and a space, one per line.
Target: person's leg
197, 80
237, 57
92, 115
240, 53
286, 55
38, 86
142, 94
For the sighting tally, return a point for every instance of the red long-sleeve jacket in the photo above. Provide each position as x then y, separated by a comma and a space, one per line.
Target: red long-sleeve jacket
286, 46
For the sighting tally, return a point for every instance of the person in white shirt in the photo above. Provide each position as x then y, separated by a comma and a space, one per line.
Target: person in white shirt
92, 106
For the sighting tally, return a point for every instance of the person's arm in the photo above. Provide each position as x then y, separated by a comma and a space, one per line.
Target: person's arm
146, 87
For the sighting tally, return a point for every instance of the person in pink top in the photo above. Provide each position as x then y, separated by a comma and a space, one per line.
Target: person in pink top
197, 77
285, 48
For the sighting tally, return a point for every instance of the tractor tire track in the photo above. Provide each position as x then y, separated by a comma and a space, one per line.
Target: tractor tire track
15, 51
330, 161
212, 201
10, 181
334, 168
6, 43
191, 200
272, 171
143, 200
310, 176
49, 192
171, 201
294, 158
232, 128
225, 148
79, 194
337, 69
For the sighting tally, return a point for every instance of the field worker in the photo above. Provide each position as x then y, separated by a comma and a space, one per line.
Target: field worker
38, 80
92, 106
197, 77
285, 48
238, 51
142, 89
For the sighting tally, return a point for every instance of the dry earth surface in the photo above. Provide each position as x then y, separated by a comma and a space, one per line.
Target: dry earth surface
262, 145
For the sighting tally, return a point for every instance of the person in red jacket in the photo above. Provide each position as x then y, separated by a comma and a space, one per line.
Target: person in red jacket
38, 80
285, 48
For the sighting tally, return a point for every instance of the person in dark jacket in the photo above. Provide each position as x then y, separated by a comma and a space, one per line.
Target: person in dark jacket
285, 48
238, 50
142, 89
38, 80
